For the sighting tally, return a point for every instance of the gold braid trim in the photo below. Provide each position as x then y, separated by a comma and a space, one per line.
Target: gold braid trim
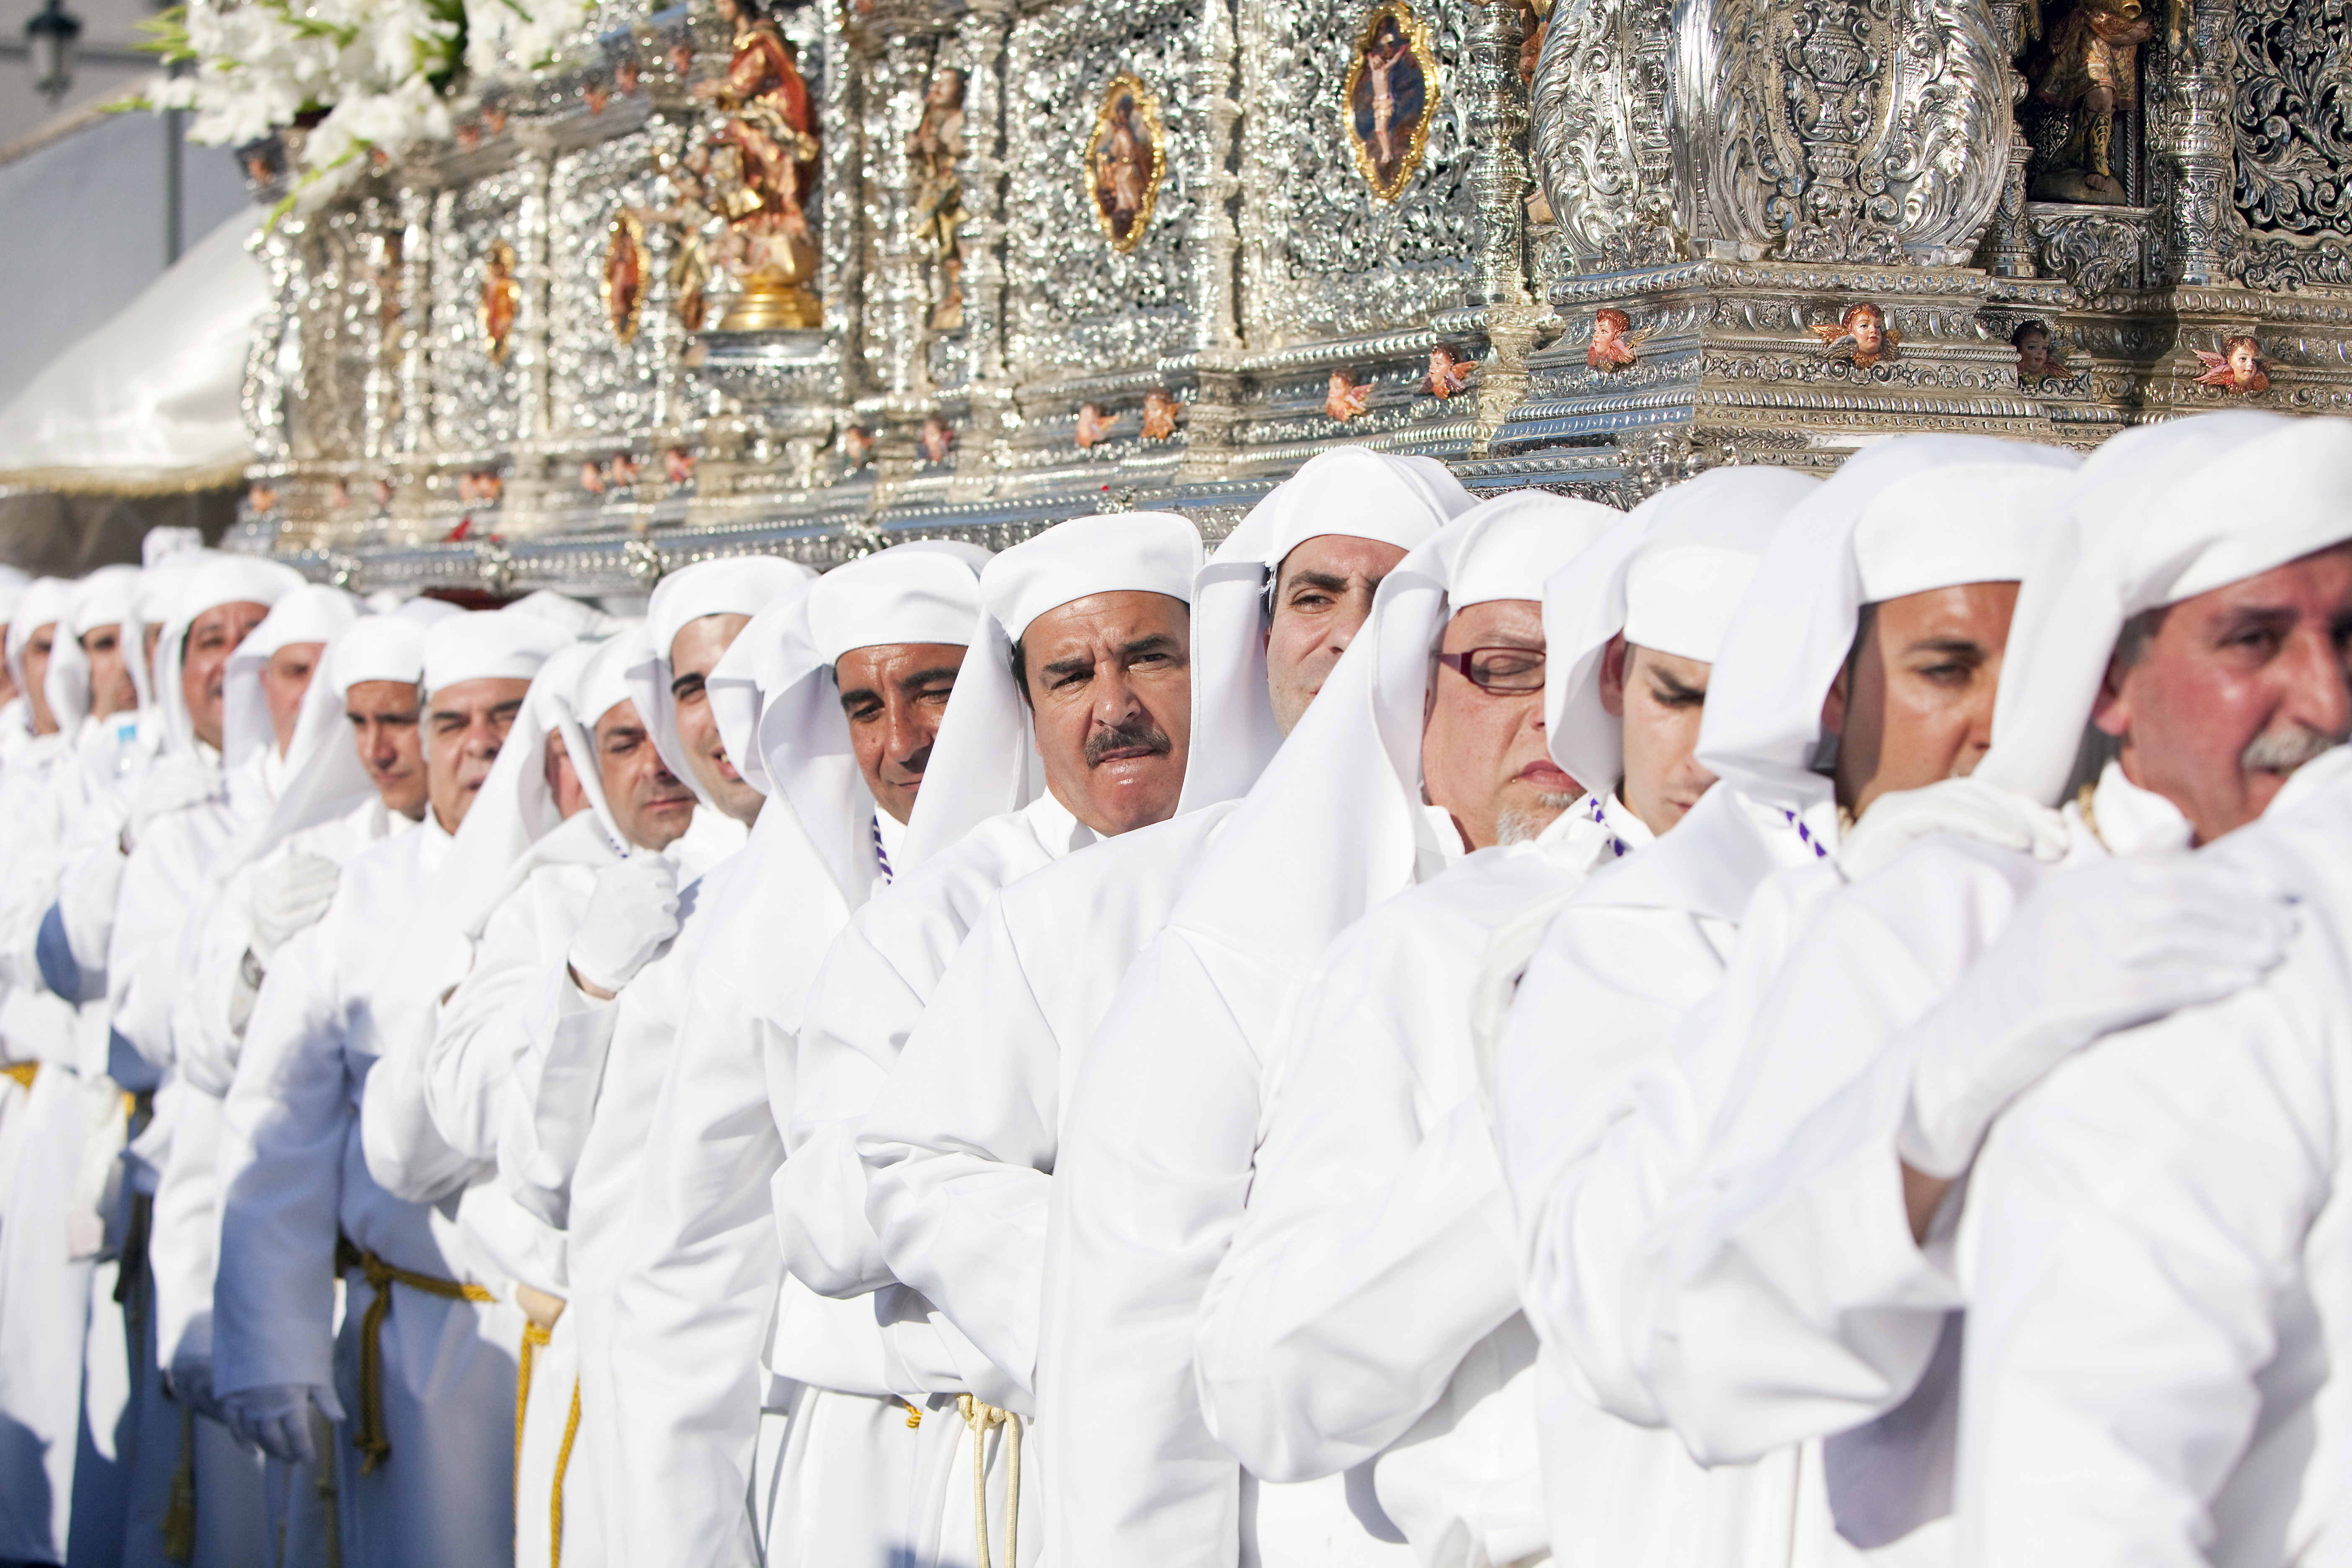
179, 1514
23, 1072
2090, 817
555, 1493
533, 1336
979, 1417
370, 1439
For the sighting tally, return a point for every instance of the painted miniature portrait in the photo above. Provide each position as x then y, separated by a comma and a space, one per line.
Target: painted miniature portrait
1126, 157
1160, 411
623, 283
1615, 344
2238, 368
1860, 337
592, 476
678, 466
501, 298
1346, 399
936, 439
1390, 96
2037, 361
621, 471
1447, 374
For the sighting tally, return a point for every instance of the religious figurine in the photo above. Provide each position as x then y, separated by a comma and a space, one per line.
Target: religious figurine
1615, 344
494, 119
2036, 361
624, 76
1125, 159
1094, 425
622, 471
1159, 414
858, 446
501, 298
2088, 64
1344, 399
469, 134
262, 498
678, 466
339, 496
937, 438
1860, 337
383, 492
682, 60
759, 174
1388, 96
595, 95
466, 489
592, 476
689, 279
2238, 368
1534, 23
488, 485
623, 283
1447, 374
932, 154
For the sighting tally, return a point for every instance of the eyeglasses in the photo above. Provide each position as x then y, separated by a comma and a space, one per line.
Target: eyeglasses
1507, 671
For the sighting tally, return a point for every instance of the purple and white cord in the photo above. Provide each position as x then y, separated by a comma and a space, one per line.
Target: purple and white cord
1805, 834
881, 854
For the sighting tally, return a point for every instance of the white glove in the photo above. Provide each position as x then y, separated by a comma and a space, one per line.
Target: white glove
1997, 817
276, 1419
287, 898
632, 912
2088, 952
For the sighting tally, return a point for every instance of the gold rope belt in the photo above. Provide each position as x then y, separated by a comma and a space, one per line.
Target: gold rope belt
555, 1493
23, 1072
979, 1417
370, 1439
540, 1312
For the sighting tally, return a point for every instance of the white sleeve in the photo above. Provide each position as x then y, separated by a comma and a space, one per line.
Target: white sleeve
2141, 1325
480, 1031
1154, 1167
959, 1150
205, 1035
1377, 1249
283, 1130
553, 1103
690, 1312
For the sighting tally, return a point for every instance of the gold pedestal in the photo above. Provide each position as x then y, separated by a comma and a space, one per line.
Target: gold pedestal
770, 302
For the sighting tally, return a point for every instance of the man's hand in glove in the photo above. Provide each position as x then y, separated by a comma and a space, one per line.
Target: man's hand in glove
632, 912
277, 1419
2089, 952
287, 898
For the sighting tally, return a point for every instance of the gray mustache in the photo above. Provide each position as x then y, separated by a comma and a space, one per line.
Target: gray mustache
2284, 751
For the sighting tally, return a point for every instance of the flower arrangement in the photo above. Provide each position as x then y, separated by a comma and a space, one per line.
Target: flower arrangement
360, 76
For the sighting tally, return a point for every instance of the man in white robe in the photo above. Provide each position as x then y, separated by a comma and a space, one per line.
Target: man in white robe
355, 776
1368, 1309
1134, 1217
424, 1362
1946, 983
1907, 684
833, 701
606, 1008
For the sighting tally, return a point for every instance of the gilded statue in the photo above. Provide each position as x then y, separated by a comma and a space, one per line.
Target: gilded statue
2087, 64
933, 152
759, 174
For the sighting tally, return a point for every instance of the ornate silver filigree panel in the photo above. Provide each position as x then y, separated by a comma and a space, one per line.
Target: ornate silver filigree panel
475, 399
1602, 140
600, 387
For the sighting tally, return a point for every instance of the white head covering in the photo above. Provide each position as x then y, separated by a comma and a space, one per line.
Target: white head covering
160, 544
985, 761
1670, 580
1338, 823
578, 619
734, 585
1902, 516
44, 602
575, 691
13, 584
103, 599
159, 595
222, 579
325, 778
310, 613
489, 644
425, 611
778, 704
1352, 490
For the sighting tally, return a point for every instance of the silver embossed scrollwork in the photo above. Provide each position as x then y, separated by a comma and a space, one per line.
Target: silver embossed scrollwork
1841, 129
1600, 140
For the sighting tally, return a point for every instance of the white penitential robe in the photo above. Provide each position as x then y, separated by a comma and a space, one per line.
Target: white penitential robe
2160, 1305
575, 1126
1368, 1311
294, 1179
871, 994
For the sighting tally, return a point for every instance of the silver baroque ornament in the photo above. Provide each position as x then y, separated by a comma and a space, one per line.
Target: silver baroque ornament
1600, 140
1842, 131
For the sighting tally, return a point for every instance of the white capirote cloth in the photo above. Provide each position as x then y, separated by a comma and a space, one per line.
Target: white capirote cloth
1593, 1123
104, 598
311, 613
736, 585
44, 602
985, 760
1140, 1205
1351, 490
